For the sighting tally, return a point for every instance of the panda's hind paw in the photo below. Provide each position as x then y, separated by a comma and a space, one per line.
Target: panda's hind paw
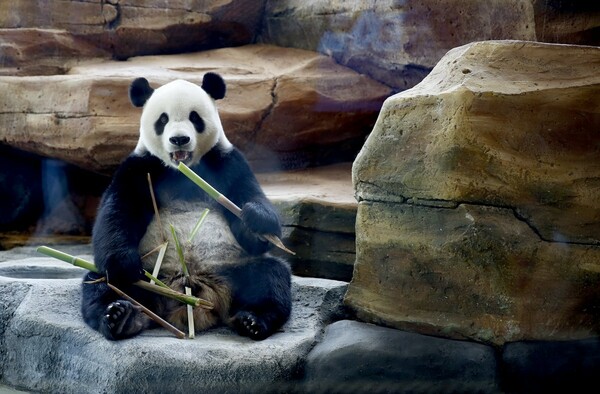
249, 325
121, 320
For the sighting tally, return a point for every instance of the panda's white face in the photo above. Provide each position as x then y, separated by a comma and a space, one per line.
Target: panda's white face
180, 123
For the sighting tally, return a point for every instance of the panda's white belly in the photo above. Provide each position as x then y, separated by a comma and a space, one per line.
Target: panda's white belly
212, 244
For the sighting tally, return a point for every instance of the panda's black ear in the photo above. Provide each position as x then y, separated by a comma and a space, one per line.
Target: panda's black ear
140, 91
214, 85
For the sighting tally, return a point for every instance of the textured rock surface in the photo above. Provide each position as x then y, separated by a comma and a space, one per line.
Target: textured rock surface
45, 346
397, 43
43, 51
133, 27
284, 107
479, 214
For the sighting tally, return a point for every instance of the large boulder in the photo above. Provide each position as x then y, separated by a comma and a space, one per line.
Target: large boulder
284, 107
479, 214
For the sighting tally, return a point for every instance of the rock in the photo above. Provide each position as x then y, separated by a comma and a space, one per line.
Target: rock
284, 107
542, 367
358, 357
396, 43
45, 346
318, 213
132, 28
567, 22
44, 51
478, 215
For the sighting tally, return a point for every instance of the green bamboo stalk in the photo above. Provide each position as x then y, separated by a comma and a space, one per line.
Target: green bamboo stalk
154, 279
211, 191
67, 258
188, 290
164, 291
179, 252
198, 225
226, 203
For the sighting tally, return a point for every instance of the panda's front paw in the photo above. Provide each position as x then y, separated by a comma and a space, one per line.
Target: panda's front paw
249, 325
121, 320
260, 219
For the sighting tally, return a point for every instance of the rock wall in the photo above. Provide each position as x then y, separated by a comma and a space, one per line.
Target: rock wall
478, 214
399, 42
284, 108
41, 36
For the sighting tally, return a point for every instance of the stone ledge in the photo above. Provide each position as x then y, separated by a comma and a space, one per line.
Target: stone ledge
46, 347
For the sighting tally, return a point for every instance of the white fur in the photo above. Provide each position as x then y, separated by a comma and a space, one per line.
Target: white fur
177, 99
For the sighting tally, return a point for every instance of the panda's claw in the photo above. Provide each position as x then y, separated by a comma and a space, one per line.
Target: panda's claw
248, 324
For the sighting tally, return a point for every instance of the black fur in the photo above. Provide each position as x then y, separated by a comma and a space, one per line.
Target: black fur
197, 121
140, 91
214, 85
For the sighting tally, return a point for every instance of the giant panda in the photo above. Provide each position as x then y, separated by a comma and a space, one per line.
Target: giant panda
228, 260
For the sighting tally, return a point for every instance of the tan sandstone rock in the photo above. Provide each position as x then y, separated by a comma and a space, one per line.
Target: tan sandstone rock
479, 214
43, 51
284, 107
138, 27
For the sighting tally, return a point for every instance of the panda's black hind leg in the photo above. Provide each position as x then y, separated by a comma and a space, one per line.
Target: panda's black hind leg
261, 296
104, 312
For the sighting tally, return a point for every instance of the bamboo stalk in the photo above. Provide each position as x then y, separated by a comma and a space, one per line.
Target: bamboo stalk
198, 224
179, 334
167, 292
190, 316
155, 206
188, 290
159, 259
226, 203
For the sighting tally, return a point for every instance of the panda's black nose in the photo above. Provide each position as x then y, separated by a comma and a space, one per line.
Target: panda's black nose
179, 141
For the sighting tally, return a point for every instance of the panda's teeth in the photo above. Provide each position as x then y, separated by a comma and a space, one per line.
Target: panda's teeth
180, 156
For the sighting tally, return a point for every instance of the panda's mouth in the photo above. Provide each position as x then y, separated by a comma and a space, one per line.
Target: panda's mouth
180, 156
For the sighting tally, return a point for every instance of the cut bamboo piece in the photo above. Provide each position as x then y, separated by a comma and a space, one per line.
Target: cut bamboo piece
179, 334
167, 292
226, 203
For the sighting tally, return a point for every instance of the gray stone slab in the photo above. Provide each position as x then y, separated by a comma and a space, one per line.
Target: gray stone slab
46, 347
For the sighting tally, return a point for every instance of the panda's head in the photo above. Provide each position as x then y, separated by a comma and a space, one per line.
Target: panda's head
179, 122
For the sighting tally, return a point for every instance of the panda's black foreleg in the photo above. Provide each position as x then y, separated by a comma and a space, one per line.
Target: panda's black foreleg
261, 296
103, 311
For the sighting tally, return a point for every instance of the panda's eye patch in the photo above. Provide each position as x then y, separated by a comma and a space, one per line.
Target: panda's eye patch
159, 125
197, 121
